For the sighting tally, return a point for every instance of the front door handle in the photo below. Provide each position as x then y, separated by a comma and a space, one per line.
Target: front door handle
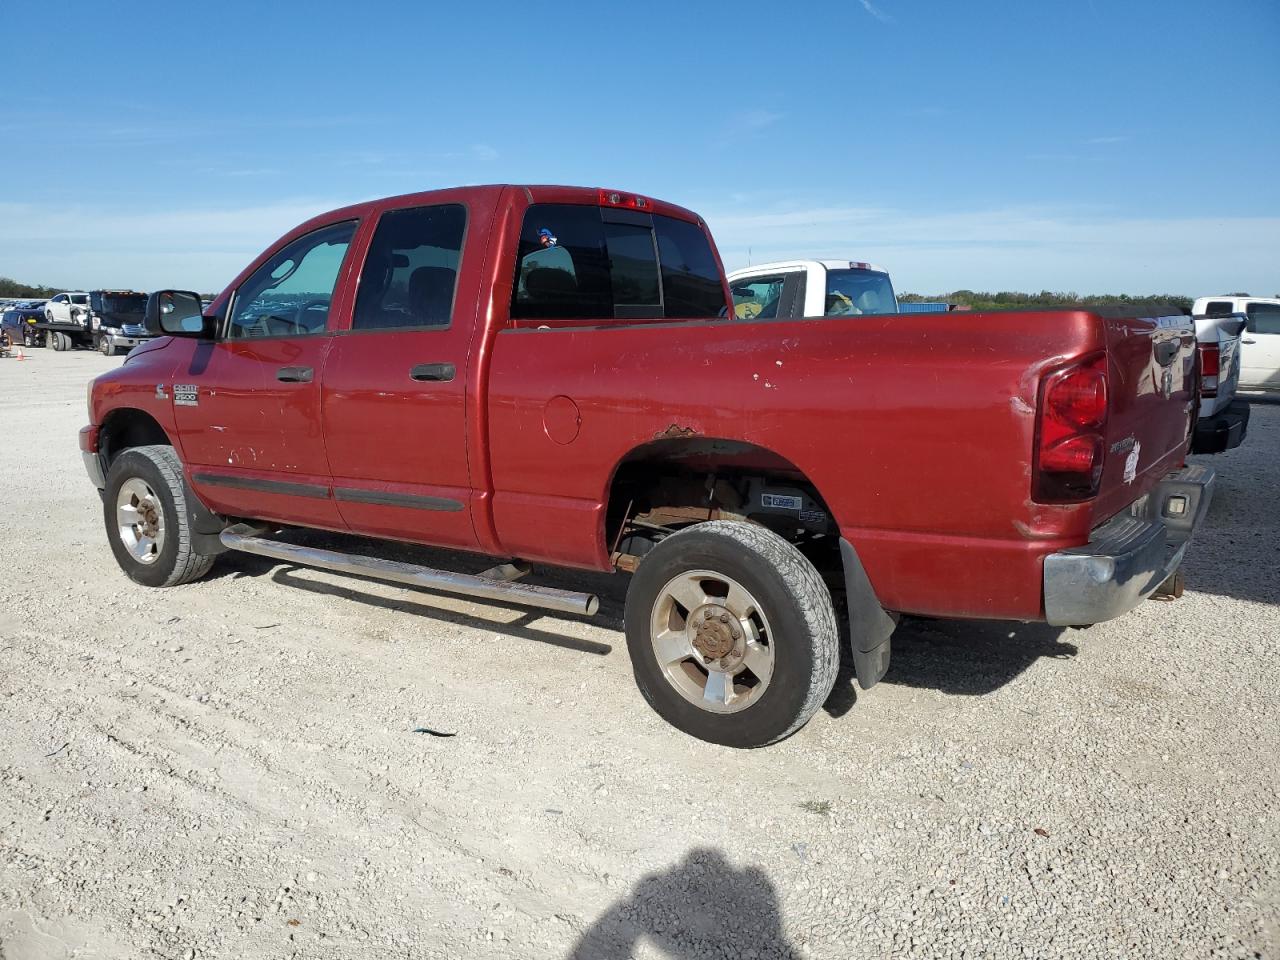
442, 372
295, 374
1248, 341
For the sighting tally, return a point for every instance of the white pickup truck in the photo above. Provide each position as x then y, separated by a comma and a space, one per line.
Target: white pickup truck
811, 288
1260, 348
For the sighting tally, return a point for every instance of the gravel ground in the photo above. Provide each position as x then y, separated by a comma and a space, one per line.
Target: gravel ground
234, 769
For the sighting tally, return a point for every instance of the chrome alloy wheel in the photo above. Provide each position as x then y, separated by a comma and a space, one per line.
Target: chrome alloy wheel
140, 519
712, 641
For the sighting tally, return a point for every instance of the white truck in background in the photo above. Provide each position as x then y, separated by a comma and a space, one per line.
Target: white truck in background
1260, 346
811, 288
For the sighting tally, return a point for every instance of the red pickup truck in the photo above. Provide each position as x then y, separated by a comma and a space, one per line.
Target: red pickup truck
554, 375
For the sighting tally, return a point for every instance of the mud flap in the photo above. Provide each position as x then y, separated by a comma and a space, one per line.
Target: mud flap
869, 626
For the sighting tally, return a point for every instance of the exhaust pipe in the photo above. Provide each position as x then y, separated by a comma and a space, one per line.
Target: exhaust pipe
494, 584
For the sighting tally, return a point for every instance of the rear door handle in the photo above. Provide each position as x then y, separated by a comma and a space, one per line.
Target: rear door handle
1248, 341
433, 371
295, 374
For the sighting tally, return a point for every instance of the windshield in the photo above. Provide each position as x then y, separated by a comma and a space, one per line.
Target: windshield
851, 292
123, 303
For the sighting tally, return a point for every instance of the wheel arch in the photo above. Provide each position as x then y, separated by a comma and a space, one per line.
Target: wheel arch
127, 427
648, 468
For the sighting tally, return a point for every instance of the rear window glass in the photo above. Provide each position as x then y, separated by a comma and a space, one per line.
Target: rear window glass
1263, 317
574, 263
1218, 308
757, 298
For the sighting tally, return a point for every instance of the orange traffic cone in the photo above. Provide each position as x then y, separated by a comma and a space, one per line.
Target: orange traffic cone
21, 355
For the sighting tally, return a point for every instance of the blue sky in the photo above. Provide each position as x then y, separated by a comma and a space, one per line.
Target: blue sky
1083, 145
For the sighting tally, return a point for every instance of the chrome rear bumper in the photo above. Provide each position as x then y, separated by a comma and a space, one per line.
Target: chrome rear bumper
1130, 555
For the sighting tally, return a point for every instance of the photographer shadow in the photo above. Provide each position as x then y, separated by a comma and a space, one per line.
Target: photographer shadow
702, 907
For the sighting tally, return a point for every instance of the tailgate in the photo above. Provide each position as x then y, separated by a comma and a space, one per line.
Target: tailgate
1151, 376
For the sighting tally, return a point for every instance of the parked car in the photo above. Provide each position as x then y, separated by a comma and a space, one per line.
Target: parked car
1260, 346
65, 324
1223, 418
811, 288
548, 374
20, 320
117, 320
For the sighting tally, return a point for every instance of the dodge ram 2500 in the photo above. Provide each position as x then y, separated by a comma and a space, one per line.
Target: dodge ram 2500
555, 375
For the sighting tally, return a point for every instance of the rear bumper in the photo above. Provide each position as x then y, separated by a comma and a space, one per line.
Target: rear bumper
1222, 431
1130, 555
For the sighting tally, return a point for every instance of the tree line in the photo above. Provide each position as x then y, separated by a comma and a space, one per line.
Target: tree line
1052, 300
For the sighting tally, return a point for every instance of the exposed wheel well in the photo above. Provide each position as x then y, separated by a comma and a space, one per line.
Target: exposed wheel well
123, 429
669, 484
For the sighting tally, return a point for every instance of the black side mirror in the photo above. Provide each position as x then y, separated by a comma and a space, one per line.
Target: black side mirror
177, 313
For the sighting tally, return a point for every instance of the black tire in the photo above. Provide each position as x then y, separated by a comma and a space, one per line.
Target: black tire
176, 562
28, 337
106, 346
51, 340
65, 342
795, 601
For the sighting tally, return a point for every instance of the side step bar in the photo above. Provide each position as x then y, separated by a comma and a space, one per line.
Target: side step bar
494, 584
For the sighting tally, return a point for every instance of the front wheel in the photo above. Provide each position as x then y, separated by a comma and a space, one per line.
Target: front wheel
732, 634
106, 346
28, 338
145, 510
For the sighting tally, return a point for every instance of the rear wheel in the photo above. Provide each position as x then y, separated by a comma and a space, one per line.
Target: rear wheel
732, 634
28, 336
51, 340
145, 511
64, 342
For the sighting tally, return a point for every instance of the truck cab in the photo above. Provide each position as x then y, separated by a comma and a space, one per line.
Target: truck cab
811, 288
117, 320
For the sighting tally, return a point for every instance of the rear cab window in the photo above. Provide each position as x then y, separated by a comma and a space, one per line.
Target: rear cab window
757, 297
1219, 308
583, 262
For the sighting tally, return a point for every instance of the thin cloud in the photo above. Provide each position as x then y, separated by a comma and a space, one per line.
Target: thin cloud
1107, 139
756, 119
875, 11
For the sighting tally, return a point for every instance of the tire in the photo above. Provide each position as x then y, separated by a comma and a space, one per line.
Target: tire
791, 611
150, 479
48, 316
65, 342
28, 337
107, 348
51, 340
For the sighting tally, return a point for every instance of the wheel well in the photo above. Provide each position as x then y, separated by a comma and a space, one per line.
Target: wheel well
123, 429
672, 483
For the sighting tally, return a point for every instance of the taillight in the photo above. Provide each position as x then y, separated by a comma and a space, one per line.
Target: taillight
1070, 449
628, 201
1210, 357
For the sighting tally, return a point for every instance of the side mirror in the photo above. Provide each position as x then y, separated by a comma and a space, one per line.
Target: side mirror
177, 313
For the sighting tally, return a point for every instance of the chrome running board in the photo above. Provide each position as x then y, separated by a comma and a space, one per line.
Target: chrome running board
498, 583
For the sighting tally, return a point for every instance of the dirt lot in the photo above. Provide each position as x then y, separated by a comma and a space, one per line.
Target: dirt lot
235, 768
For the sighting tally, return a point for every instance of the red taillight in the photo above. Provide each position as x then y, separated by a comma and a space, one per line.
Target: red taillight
630, 201
1210, 361
1069, 435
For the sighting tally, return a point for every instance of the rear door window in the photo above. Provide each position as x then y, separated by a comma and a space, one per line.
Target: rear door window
587, 262
1263, 317
411, 269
